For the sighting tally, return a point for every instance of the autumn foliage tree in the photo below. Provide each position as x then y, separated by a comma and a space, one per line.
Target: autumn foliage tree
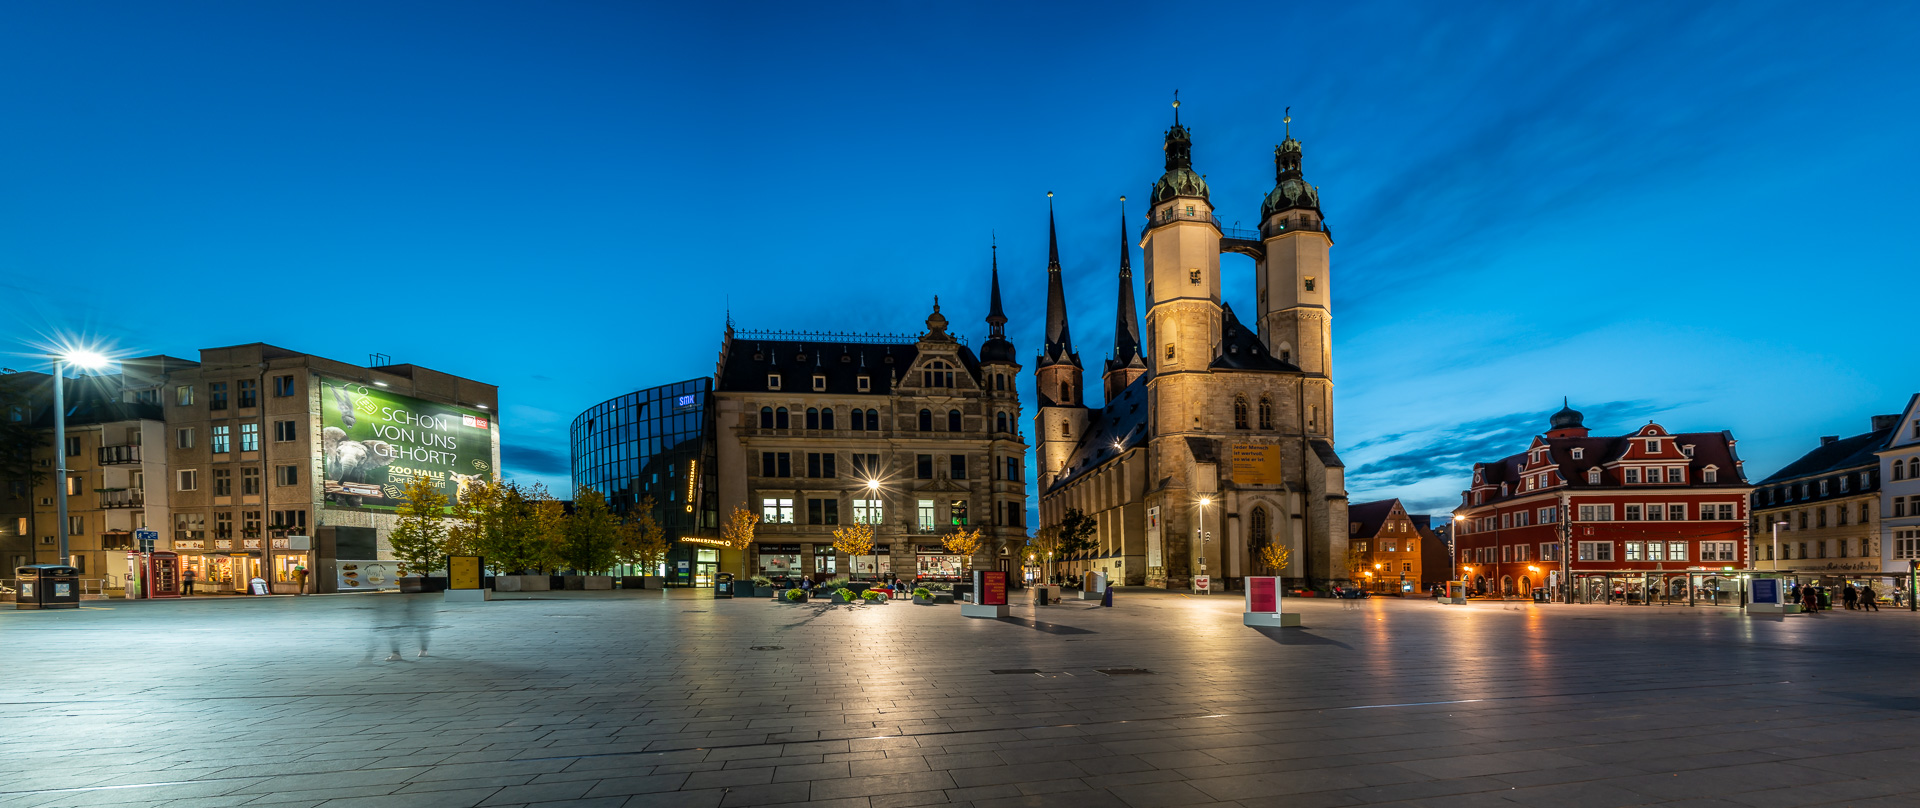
737, 532
641, 541
964, 543
856, 541
419, 537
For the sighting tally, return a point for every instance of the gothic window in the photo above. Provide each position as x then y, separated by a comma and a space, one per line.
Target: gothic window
780, 418
953, 420
766, 417
813, 418
1066, 430
1266, 413
1000, 422
926, 420
826, 418
1257, 531
1239, 412
1066, 394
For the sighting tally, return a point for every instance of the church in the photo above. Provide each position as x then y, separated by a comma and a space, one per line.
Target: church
1214, 439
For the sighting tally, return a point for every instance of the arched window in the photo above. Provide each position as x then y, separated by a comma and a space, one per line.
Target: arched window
813, 418
926, 420
826, 418
1000, 383
859, 418
1266, 413
1286, 353
1593, 476
1239, 412
1066, 394
766, 417
780, 418
1000, 422
1257, 533
873, 419
1066, 430
953, 420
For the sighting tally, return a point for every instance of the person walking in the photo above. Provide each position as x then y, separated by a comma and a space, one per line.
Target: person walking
1869, 600
186, 581
1809, 602
1850, 596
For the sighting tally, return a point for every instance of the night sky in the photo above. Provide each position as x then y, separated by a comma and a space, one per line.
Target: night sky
1696, 213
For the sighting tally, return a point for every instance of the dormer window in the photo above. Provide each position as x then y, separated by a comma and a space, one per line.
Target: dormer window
1653, 446
773, 381
1687, 450
819, 383
1579, 454
1593, 475
865, 384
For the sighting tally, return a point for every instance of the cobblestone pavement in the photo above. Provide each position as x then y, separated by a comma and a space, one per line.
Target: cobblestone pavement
639, 699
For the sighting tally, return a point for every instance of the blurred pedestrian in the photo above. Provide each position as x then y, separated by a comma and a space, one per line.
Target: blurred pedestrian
1809, 600
186, 581
1869, 600
1850, 596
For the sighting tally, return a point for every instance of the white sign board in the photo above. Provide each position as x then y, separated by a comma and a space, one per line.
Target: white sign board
299, 542
366, 576
1202, 583
1153, 538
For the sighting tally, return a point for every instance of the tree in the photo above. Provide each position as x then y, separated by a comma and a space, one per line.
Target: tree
964, 543
1358, 564
1076, 532
1045, 546
642, 542
547, 537
419, 539
1275, 558
590, 531
737, 532
476, 513
854, 540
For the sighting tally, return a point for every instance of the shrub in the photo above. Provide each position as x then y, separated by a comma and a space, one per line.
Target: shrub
795, 595
844, 593
874, 595
837, 583
923, 593
762, 580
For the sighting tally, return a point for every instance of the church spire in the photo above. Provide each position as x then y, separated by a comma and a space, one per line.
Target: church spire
1126, 323
996, 348
1059, 347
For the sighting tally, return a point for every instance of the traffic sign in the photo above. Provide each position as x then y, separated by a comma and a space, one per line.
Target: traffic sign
146, 539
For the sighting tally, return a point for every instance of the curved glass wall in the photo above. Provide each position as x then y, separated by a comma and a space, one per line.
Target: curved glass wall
655, 443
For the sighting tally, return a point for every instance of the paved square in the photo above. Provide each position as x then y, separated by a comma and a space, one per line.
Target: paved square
644, 698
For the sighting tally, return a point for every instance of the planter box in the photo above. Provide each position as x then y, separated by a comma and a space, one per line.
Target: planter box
765, 591
521, 583
838, 599
632, 582
803, 599
573, 582
653, 582
433, 584
556, 582
943, 597
923, 601
877, 601
597, 581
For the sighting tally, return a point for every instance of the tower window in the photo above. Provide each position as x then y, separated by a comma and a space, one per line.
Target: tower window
1266, 413
1193, 275
1239, 413
1066, 430
1189, 210
1310, 283
1169, 351
819, 382
1066, 394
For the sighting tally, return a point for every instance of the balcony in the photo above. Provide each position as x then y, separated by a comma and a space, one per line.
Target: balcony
119, 455
124, 498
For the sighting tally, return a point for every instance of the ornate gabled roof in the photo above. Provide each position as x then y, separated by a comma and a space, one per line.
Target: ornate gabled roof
1059, 346
1290, 188
1179, 179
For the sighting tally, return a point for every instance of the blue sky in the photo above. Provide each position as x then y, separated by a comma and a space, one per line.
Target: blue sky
1691, 212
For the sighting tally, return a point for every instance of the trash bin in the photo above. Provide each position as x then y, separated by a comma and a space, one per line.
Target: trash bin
1539, 594
47, 586
723, 585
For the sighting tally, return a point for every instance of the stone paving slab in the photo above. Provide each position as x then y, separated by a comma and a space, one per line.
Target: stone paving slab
647, 698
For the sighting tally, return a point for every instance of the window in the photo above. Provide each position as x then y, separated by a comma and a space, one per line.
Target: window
189, 480
1633, 475
1579, 453
1803, 520
1548, 516
1676, 474
774, 511
873, 419
1169, 352
826, 418
1656, 551
1519, 552
1593, 475
222, 439
183, 395
1000, 422
766, 417
926, 420
776, 464
924, 515
1596, 513
813, 418
1844, 481
859, 419
957, 466
189, 525
823, 511
819, 383
780, 418
217, 393
1309, 283
937, 374
1653, 446
1719, 551
250, 482
957, 512
923, 467
864, 384
250, 523
1636, 551
249, 437
820, 464
283, 388
1066, 393
1013, 470
866, 466
1710, 475
1676, 512
249, 394
290, 520
1239, 412
1820, 517
1266, 413
223, 524
286, 475
1633, 513
773, 381
953, 420
185, 438
1549, 551
1596, 551
1824, 491
1906, 544
284, 431
1863, 512
866, 512
1066, 429
1656, 512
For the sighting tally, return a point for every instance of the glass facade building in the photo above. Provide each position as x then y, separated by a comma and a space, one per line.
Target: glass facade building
656, 443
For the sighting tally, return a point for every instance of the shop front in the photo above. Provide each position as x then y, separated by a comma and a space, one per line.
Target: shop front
932, 562
1694, 587
217, 572
779, 562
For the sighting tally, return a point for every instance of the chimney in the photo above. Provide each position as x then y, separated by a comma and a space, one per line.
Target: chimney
1826, 439
1885, 422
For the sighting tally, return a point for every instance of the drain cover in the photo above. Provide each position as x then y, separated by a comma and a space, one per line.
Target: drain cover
767, 648
1015, 670
1123, 671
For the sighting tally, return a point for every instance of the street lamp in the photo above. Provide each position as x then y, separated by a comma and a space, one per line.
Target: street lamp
86, 360
1776, 544
1204, 537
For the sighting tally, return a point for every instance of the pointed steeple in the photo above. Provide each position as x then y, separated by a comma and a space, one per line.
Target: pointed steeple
1290, 188
996, 348
1059, 346
1126, 322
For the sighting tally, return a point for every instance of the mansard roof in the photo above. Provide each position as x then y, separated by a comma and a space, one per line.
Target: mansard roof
747, 362
1713, 449
1857, 451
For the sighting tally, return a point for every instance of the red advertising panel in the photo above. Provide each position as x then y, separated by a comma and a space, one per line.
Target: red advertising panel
993, 587
1263, 594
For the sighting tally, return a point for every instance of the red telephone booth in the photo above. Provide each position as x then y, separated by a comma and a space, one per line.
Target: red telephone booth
163, 574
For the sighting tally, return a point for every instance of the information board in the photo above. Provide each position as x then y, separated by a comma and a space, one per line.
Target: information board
1766, 590
992, 586
1153, 538
1263, 594
463, 572
1202, 583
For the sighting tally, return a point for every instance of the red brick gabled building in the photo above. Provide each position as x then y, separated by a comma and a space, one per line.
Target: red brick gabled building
1648, 508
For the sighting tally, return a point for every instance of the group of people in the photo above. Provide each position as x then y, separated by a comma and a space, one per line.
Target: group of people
1815, 598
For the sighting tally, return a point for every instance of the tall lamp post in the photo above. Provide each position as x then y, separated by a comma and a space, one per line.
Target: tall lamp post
1776, 545
873, 491
1205, 537
87, 360
1453, 549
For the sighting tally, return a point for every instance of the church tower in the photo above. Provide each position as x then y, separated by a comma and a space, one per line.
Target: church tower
1182, 252
1061, 418
1126, 364
1296, 308
998, 368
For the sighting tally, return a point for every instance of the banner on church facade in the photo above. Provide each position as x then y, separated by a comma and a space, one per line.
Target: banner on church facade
1255, 463
1153, 538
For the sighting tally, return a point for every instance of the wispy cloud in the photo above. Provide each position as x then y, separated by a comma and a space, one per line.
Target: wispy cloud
1446, 453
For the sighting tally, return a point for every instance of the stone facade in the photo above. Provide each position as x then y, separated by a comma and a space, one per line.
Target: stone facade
1900, 495
1820, 515
1218, 445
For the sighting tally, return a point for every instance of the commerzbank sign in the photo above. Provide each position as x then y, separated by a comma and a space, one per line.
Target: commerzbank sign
375, 441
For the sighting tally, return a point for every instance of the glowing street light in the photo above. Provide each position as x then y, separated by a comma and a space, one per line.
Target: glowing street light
86, 359
1204, 536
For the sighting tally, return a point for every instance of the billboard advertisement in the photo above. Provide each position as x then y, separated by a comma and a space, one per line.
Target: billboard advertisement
375, 441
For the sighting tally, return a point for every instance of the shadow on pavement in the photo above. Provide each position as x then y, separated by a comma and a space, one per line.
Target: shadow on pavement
1296, 636
1050, 628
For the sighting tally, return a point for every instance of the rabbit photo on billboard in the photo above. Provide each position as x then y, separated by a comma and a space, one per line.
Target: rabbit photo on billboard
375, 440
